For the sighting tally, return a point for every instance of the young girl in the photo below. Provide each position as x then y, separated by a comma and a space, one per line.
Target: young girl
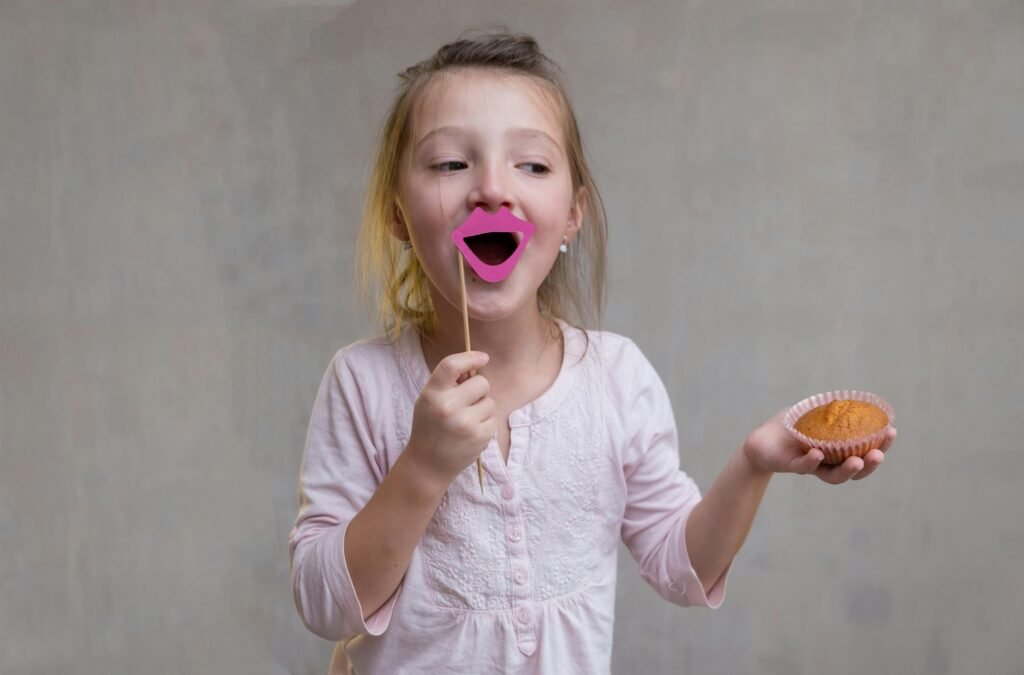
397, 553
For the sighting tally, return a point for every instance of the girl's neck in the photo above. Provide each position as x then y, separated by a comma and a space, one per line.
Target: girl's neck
512, 343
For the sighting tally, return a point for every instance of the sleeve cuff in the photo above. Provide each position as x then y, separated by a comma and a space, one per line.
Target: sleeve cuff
684, 586
339, 582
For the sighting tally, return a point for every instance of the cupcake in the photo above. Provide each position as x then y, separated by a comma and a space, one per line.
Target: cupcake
842, 423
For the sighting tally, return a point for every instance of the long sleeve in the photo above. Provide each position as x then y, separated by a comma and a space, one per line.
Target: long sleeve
341, 469
660, 497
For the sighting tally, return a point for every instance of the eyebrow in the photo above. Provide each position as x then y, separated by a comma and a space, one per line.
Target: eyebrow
526, 132
441, 131
522, 132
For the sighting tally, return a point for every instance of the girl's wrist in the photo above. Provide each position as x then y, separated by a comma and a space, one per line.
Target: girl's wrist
745, 456
420, 478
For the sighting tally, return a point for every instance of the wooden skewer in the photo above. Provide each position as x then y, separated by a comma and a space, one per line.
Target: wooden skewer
465, 331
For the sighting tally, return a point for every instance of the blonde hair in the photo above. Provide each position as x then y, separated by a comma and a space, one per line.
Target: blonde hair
392, 281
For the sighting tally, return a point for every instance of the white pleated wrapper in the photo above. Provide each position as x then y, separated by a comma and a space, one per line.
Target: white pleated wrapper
837, 451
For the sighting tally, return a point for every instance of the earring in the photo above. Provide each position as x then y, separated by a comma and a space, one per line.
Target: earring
406, 244
564, 248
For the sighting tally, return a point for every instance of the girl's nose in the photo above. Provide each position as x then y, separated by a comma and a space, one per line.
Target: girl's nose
492, 189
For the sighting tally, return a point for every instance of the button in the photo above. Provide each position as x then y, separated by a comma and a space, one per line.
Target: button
508, 492
520, 577
523, 615
515, 534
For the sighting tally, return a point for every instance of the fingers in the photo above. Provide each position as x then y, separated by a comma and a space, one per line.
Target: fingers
469, 392
451, 367
807, 462
465, 405
872, 461
889, 438
840, 473
874, 458
453, 391
853, 468
481, 409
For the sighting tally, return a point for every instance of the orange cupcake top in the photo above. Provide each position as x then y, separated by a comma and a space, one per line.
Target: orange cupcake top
842, 420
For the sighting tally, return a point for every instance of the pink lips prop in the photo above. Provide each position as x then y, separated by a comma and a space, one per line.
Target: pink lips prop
481, 222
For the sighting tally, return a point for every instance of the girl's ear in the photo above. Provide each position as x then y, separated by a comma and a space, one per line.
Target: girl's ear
398, 226
576, 213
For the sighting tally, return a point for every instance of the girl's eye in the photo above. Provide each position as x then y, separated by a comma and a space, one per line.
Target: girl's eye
453, 165
534, 167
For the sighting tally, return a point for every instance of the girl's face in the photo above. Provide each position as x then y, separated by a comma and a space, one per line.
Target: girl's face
486, 140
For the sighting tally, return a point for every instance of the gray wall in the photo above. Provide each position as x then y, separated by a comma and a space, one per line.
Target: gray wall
802, 196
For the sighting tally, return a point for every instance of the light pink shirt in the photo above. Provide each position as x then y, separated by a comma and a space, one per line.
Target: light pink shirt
521, 578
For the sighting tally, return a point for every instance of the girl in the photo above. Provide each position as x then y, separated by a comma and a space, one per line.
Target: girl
397, 554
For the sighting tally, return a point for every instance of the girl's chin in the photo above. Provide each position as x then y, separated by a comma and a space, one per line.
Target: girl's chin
488, 301
492, 309
490, 312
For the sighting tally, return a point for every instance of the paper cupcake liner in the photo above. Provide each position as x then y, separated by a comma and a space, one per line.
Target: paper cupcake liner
837, 451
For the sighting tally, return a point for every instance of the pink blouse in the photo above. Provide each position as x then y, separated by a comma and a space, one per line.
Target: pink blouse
521, 578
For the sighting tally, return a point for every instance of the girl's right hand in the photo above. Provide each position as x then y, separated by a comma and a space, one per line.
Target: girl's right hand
452, 421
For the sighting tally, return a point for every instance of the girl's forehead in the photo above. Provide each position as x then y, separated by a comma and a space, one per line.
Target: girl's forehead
486, 100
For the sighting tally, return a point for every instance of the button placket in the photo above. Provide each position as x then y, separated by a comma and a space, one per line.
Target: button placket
523, 618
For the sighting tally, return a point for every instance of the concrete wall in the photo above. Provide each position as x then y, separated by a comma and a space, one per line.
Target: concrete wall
802, 196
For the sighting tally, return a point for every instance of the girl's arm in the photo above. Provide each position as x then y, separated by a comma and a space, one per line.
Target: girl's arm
719, 523
381, 538
452, 423
358, 523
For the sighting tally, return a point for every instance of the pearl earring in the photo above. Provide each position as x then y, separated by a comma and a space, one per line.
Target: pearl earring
564, 248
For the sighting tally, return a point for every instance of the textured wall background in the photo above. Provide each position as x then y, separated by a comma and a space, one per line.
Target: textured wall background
802, 196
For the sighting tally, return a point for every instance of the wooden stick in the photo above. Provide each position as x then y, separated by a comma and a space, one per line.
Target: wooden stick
465, 331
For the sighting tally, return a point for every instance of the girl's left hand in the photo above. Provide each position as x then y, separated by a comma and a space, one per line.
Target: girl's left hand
771, 448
